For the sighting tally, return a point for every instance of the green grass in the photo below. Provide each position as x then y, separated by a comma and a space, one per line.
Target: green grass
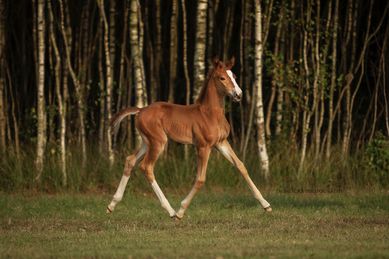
226, 223
335, 174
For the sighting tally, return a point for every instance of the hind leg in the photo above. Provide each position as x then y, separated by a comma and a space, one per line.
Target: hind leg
202, 162
131, 161
147, 166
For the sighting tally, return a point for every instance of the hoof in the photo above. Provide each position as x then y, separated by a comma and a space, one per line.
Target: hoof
109, 210
176, 217
268, 209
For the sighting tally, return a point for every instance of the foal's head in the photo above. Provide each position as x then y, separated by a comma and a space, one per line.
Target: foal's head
225, 79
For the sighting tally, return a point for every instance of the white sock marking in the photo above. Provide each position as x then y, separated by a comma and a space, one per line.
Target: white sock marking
164, 202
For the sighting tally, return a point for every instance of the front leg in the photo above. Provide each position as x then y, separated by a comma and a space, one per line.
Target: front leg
227, 151
202, 161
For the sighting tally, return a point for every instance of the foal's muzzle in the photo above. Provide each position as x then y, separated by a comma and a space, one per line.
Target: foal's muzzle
236, 97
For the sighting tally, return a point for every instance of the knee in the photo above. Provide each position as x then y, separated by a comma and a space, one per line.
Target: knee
199, 184
148, 172
131, 161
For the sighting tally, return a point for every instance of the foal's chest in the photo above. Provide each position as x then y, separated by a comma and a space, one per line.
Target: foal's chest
215, 127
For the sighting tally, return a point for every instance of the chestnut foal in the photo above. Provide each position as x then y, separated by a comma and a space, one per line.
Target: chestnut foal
202, 124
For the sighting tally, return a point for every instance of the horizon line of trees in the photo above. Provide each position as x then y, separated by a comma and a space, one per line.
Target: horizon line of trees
313, 72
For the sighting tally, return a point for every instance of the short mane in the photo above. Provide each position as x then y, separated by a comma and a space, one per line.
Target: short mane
201, 96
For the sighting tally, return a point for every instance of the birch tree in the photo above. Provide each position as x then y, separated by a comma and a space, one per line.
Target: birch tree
140, 88
77, 85
184, 52
259, 118
199, 55
333, 80
41, 110
2, 59
60, 98
158, 47
109, 72
173, 50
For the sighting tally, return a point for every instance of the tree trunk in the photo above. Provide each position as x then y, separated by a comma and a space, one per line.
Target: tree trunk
258, 83
333, 80
2, 76
280, 87
158, 50
185, 64
60, 99
140, 89
185, 52
41, 109
76, 82
212, 10
317, 70
123, 58
109, 73
199, 55
275, 78
102, 99
173, 50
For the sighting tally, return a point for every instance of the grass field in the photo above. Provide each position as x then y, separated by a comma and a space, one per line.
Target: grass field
218, 224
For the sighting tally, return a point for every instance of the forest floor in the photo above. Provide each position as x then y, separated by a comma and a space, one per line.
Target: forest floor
217, 225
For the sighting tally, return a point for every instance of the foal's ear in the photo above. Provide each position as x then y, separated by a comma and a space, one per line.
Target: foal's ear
230, 63
215, 61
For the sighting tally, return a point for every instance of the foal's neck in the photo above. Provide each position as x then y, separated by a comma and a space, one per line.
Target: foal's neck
212, 98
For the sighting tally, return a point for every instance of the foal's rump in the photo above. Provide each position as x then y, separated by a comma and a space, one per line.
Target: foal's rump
118, 117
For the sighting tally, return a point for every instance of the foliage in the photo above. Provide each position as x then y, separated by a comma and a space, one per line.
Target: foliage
174, 171
377, 154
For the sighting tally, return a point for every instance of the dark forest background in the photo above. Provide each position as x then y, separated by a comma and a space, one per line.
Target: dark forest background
67, 66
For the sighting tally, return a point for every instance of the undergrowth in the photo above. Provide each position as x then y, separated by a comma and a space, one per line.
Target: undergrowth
174, 170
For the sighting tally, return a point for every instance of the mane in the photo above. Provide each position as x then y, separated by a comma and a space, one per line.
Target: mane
201, 96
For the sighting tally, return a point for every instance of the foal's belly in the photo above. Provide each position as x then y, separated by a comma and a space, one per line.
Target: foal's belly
179, 132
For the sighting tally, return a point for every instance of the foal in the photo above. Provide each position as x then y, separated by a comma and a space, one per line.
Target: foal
202, 124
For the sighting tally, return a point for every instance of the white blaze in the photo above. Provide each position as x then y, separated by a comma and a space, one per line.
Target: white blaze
237, 88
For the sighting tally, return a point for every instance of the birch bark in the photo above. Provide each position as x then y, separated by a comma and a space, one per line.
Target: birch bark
199, 55
259, 118
136, 54
109, 72
41, 110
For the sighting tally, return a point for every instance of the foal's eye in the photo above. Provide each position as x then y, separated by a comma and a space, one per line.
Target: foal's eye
222, 78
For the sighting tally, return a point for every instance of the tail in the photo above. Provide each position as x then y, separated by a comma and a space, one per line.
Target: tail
118, 117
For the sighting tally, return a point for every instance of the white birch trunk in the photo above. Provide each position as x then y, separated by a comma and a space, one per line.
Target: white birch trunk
199, 55
185, 63
259, 118
60, 99
333, 81
66, 34
109, 73
41, 134
140, 89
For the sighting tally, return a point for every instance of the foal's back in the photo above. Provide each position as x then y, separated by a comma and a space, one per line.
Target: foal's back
183, 123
